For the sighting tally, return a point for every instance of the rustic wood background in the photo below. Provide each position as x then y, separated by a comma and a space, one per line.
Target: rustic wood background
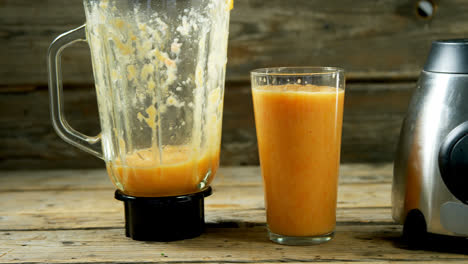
382, 44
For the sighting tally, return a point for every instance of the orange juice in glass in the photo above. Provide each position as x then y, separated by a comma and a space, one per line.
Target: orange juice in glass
298, 117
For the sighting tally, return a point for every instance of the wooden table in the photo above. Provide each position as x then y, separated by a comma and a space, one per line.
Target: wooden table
72, 217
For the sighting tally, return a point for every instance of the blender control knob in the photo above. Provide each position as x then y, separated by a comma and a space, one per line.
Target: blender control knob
453, 162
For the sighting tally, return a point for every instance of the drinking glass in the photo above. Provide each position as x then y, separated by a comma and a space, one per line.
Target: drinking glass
298, 117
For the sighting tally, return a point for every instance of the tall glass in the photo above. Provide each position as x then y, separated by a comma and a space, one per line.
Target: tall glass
298, 116
159, 68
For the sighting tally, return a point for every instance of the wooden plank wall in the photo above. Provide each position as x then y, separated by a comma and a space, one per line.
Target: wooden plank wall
382, 44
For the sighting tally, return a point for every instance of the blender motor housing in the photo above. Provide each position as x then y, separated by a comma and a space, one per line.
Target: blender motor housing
430, 184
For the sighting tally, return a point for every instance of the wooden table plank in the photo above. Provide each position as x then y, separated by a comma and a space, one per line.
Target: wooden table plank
246, 244
84, 199
72, 217
243, 197
113, 218
39, 180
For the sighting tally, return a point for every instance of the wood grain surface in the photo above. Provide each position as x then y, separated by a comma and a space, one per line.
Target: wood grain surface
46, 197
372, 120
370, 39
381, 44
70, 216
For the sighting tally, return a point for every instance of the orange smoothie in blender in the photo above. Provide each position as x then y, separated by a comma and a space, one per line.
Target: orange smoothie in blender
177, 172
299, 137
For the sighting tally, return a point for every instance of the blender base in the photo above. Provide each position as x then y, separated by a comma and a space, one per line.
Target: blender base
164, 218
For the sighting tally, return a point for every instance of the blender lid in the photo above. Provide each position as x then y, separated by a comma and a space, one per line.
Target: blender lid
448, 56
164, 218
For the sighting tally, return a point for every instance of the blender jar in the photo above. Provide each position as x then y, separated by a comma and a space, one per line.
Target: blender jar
159, 68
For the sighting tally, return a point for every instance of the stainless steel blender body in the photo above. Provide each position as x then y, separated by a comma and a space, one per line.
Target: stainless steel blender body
430, 174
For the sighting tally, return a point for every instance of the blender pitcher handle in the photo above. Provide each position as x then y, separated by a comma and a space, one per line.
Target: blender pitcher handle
61, 126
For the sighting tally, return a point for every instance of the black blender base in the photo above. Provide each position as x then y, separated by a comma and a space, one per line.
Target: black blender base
164, 218
416, 237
